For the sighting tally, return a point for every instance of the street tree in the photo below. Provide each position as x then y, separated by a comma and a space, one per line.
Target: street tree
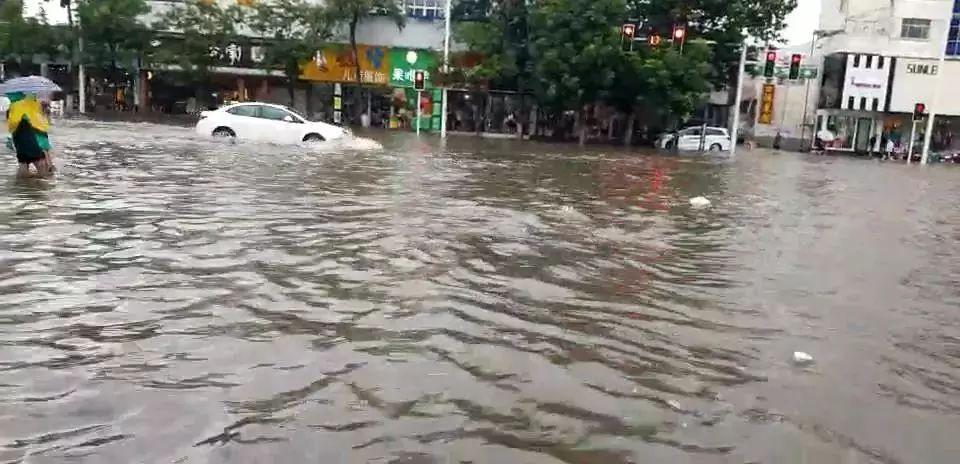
722, 23
192, 33
660, 83
292, 31
113, 35
499, 31
23, 38
354, 12
575, 48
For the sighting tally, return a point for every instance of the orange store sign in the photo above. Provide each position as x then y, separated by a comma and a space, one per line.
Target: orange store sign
766, 104
337, 64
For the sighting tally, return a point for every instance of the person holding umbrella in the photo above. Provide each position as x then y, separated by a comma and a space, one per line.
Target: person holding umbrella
27, 124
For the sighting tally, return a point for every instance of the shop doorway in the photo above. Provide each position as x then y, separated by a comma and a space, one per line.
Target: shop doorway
864, 132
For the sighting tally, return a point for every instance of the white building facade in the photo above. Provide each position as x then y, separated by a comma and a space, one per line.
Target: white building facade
879, 58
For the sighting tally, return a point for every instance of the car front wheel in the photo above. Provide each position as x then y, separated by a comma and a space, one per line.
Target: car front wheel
224, 133
716, 147
314, 138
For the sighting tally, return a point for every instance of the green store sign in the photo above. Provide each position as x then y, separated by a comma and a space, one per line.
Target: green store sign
405, 61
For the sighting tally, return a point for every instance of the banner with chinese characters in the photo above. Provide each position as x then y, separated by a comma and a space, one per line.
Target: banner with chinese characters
405, 61
239, 55
336, 63
766, 104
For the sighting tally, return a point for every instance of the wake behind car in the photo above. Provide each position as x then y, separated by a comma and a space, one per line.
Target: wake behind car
265, 122
717, 139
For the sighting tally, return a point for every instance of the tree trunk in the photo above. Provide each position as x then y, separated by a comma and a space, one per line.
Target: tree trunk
610, 121
628, 130
310, 100
354, 21
292, 90
582, 127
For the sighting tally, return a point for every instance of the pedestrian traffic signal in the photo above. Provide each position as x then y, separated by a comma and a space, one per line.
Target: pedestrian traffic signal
770, 66
795, 66
919, 110
654, 40
419, 80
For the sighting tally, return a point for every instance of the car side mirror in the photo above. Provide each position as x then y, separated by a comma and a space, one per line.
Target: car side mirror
289, 118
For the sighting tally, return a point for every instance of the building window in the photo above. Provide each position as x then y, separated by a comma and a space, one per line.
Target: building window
856, 61
953, 39
869, 61
863, 103
850, 102
880, 60
428, 9
915, 28
876, 104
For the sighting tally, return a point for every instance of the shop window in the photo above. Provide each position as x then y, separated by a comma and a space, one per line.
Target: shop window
915, 28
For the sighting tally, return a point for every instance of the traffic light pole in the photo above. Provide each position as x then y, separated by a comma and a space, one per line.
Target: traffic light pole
735, 127
913, 135
419, 105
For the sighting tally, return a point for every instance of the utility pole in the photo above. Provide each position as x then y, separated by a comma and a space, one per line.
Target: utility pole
446, 70
938, 82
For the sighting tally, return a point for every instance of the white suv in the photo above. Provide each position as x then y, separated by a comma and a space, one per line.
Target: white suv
717, 139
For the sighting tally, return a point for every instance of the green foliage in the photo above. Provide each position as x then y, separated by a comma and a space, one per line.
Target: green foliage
499, 31
21, 38
575, 47
353, 12
201, 26
293, 30
662, 80
112, 31
723, 23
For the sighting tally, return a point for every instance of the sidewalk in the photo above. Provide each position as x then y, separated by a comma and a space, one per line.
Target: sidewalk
182, 120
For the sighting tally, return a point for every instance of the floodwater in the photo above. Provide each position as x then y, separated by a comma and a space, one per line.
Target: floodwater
173, 300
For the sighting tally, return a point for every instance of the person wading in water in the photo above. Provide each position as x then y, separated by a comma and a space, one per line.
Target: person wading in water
28, 128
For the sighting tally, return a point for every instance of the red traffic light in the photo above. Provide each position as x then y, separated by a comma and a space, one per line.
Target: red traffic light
920, 108
771, 56
418, 80
679, 32
795, 59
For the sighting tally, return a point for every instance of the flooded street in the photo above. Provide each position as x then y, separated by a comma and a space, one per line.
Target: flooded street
169, 299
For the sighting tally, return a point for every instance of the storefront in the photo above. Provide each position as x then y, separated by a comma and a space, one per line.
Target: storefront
855, 100
385, 94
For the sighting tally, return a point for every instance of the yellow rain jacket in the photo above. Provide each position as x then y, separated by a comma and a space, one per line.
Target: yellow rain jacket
26, 115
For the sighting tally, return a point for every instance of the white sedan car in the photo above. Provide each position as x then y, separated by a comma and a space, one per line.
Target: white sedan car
717, 139
265, 122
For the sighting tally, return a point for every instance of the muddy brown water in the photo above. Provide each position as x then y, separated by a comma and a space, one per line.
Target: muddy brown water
172, 300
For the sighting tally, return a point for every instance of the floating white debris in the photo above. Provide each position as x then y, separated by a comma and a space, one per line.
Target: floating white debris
699, 202
799, 357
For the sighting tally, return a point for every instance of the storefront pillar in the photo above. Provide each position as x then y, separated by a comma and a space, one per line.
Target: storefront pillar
242, 89
264, 92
